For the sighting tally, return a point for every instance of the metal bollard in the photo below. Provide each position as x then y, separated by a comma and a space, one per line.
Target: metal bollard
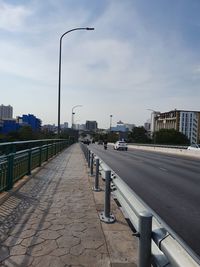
96, 184
86, 154
84, 151
91, 164
105, 215
145, 230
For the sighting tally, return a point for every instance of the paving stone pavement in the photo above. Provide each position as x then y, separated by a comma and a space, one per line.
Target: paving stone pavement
53, 221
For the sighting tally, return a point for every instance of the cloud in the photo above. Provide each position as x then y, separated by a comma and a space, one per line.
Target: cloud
130, 56
12, 18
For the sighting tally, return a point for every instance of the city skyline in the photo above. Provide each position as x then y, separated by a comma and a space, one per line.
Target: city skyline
6, 113
142, 55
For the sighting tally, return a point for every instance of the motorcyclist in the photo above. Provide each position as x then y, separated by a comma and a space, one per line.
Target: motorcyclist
105, 144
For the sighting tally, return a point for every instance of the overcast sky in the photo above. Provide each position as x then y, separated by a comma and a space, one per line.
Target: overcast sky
142, 55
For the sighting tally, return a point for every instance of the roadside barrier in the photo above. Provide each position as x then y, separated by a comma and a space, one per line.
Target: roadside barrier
14, 166
158, 245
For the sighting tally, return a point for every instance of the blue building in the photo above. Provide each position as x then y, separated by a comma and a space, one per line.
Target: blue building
121, 127
32, 121
8, 126
12, 125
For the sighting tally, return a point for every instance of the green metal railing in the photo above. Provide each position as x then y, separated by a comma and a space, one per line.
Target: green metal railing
12, 147
15, 165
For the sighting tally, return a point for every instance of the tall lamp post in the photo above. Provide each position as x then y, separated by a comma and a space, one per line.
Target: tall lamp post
111, 122
73, 114
59, 70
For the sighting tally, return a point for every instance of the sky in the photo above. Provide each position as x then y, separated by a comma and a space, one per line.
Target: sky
142, 55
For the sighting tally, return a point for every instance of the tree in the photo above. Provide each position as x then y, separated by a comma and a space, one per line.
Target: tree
113, 137
12, 136
170, 137
138, 135
26, 133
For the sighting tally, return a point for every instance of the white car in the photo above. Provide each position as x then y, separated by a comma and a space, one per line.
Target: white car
120, 145
194, 147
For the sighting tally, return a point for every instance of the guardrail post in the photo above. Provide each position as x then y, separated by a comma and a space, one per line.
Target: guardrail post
10, 171
145, 230
105, 215
88, 158
29, 161
91, 164
96, 184
85, 151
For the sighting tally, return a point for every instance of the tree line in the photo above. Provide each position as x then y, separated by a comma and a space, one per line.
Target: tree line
137, 135
140, 135
25, 133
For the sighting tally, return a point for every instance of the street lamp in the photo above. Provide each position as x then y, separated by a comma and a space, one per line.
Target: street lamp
111, 122
59, 70
73, 114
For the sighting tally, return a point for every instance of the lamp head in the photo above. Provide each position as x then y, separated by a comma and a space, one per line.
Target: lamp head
89, 29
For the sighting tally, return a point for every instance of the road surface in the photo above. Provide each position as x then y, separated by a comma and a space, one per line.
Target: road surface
168, 184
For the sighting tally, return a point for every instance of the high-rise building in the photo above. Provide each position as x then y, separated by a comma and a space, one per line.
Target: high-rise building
91, 125
154, 114
184, 121
6, 112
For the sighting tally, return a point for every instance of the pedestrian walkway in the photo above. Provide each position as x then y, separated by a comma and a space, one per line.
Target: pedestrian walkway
52, 220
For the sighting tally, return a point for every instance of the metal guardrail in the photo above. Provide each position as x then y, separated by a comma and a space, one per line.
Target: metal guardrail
14, 166
157, 245
157, 145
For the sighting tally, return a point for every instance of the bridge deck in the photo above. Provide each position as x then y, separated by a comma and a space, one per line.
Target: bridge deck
52, 220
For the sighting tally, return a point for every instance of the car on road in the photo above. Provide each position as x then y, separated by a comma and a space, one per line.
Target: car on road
86, 141
195, 147
120, 145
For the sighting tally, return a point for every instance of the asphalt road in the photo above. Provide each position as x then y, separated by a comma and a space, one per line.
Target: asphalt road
168, 184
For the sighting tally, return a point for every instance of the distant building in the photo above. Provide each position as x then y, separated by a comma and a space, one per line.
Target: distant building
91, 126
65, 125
184, 121
31, 121
81, 127
129, 127
154, 114
147, 126
8, 126
12, 125
6, 112
49, 128
120, 127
